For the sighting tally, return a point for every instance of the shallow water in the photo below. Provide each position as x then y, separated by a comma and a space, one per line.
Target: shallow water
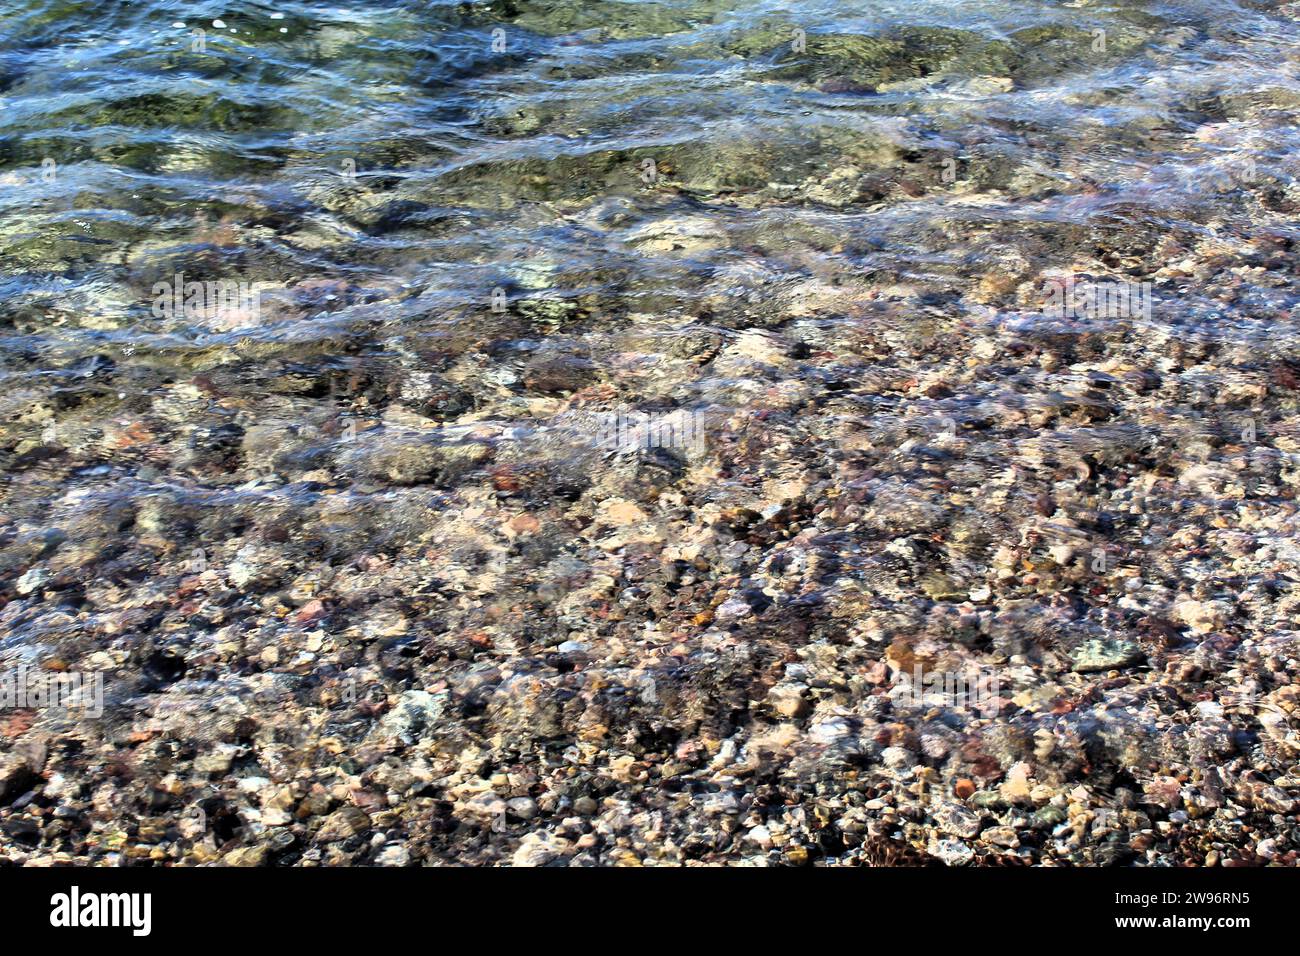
444, 239
399, 185
523, 168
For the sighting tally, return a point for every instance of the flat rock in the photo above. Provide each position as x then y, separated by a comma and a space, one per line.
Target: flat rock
1105, 654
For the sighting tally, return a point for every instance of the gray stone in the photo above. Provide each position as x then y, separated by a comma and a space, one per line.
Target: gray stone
1106, 654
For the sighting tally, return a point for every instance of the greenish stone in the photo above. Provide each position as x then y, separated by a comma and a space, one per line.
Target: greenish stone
1050, 816
940, 587
1103, 654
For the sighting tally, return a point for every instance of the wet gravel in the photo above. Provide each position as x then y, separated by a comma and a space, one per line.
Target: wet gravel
550, 511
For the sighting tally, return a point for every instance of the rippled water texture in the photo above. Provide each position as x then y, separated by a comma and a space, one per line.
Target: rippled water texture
352, 504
